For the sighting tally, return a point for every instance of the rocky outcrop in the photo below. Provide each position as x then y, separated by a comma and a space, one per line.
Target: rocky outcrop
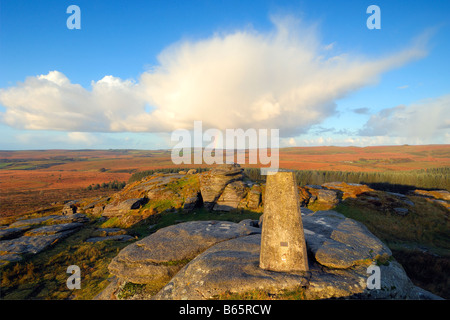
214, 182
50, 219
222, 258
340, 243
70, 207
231, 197
160, 255
192, 202
53, 229
230, 266
31, 236
322, 198
254, 197
11, 233
221, 189
349, 190
123, 207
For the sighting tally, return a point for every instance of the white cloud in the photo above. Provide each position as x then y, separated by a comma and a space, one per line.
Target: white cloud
52, 102
65, 140
84, 138
426, 121
244, 79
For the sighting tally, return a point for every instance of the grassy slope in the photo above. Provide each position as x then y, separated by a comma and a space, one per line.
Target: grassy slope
44, 276
419, 241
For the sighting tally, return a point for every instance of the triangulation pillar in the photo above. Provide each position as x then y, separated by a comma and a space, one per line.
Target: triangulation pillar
283, 246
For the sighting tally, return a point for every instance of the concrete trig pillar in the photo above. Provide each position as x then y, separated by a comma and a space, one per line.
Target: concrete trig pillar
283, 246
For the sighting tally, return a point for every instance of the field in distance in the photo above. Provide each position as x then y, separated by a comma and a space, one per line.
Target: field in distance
32, 180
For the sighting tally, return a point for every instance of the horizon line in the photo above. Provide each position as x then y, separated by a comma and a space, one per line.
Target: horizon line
246, 149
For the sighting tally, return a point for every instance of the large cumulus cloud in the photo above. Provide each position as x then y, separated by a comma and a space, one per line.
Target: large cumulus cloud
285, 78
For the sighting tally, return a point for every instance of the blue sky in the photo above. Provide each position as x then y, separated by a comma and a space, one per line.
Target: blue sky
137, 70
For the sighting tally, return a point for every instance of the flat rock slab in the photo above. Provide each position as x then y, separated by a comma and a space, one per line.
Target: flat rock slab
51, 219
10, 257
11, 233
339, 242
53, 229
164, 252
27, 244
230, 266
326, 283
32, 222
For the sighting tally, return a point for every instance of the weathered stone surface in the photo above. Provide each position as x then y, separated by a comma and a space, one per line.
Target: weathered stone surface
283, 242
14, 244
7, 258
328, 283
339, 242
77, 217
10, 233
230, 266
158, 180
98, 210
306, 211
401, 211
50, 219
112, 210
164, 252
254, 197
53, 229
327, 199
35, 244
99, 202
109, 292
32, 222
232, 195
192, 202
304, 196
213, 182
349, 190
70, 207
